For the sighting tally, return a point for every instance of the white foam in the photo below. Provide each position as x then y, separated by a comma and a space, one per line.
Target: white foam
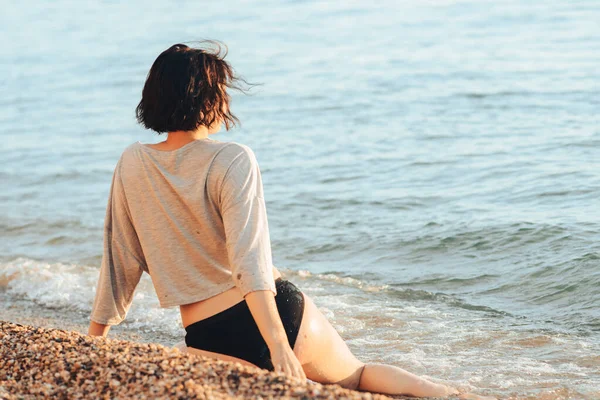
52, 285
72, 286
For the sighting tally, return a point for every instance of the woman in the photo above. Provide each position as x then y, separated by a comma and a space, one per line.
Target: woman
190, 212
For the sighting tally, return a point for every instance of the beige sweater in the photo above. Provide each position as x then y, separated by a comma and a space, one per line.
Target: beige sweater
193, 218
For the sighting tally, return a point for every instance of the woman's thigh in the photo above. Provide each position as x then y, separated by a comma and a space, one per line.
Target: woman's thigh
324, 355
218, 356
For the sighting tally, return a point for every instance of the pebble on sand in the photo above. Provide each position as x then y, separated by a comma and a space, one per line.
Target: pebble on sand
44, 363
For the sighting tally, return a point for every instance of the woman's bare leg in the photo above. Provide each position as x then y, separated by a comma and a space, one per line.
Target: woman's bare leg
388, 379
218, 356
326, 358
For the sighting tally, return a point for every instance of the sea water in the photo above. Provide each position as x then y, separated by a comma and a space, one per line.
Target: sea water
430, 169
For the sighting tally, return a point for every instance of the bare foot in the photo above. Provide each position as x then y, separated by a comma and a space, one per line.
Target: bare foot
445, 390
473, 396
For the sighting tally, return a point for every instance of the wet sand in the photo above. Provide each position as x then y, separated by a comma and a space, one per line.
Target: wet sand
40, 362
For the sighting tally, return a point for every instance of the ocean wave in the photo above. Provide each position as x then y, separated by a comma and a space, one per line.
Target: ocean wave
50, 284
536, 296
72, 287
394, 291
523, 93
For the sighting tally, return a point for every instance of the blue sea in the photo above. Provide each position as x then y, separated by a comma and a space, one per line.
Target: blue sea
431, 170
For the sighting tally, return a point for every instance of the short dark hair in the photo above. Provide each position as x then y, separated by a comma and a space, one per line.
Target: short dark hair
186, 88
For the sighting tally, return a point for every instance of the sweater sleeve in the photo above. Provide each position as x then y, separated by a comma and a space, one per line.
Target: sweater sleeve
122, 259
244, 215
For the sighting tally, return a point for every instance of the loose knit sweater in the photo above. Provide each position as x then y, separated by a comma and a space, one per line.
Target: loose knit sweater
193, 218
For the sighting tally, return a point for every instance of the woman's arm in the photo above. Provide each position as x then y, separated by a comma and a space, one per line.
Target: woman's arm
264, 310
123, 260
97, 329
244, 213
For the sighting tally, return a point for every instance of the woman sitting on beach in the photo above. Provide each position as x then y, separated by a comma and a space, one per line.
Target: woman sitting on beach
190, 212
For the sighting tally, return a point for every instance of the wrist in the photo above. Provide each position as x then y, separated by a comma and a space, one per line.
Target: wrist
277, 341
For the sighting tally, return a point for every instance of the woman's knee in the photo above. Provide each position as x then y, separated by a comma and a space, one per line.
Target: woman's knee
353, 381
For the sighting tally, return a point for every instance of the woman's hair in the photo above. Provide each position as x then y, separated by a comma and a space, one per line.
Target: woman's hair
186, 88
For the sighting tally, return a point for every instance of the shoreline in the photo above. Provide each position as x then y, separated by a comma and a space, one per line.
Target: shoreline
23, 311
39, 361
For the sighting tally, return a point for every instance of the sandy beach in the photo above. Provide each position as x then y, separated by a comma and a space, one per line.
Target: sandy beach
40, 362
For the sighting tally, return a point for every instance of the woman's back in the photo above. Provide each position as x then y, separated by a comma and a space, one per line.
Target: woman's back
204, 203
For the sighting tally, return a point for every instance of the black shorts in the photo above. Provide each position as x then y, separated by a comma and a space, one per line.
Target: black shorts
234, 332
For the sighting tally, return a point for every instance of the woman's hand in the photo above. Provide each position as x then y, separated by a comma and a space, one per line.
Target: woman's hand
264, 311
97, 329
284, 360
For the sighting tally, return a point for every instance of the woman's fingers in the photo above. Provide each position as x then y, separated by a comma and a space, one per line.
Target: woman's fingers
285, 361
300, 374
290, 369
298, 371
